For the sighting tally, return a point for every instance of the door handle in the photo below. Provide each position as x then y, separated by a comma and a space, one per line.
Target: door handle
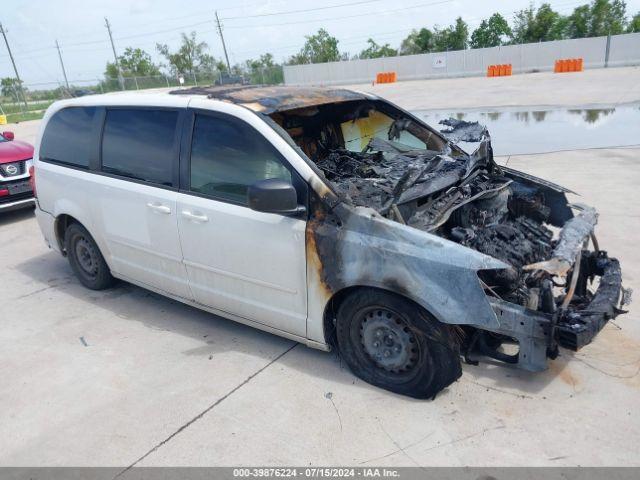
159, 208
195, 217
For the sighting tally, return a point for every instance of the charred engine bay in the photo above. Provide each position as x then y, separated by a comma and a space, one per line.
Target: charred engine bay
382, 158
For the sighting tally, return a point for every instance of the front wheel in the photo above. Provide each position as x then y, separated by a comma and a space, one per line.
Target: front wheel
393, 343
85, 258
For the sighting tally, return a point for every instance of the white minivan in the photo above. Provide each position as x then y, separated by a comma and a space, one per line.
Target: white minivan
327, 216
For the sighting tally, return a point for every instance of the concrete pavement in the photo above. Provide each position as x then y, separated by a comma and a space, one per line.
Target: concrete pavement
606, 86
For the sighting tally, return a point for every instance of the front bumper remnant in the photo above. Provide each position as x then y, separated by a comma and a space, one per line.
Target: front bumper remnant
538, 334
576, 328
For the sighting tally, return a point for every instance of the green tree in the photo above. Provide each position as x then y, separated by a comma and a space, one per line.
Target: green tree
377, 51
10, 88
607, 17
548, 24
133, 62
418, 41
491, 33
192, 57
453, 37
523, 25
264, 70
634, 24
264, 61
541, 25
579, 22
318, 48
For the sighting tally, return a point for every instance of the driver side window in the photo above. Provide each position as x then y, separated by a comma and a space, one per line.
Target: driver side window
228, 155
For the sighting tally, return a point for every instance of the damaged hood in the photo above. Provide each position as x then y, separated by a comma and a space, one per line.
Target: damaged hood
389, 174
387, 235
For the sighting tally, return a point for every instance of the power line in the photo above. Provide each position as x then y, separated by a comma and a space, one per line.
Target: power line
197, 24
420, 5
565, 6
340, 41
199, 14
182, 27
289, 12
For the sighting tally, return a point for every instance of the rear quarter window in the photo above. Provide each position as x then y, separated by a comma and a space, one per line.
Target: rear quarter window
140, 144
68, 137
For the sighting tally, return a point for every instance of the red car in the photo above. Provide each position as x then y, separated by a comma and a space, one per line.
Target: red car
16, 159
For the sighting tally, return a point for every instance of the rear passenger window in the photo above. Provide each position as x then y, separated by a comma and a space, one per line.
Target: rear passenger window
228, 155
140, 144
68, 137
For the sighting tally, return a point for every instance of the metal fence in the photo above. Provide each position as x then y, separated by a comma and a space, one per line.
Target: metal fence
597, 52
33, 99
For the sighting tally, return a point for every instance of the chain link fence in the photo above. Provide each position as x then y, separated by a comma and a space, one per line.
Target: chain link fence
30, 102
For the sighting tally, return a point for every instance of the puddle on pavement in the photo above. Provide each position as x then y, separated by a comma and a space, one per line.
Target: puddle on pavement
517, 131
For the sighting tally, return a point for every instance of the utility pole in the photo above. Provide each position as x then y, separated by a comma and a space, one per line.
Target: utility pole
64, 72
115, 55
15, 69
224, 46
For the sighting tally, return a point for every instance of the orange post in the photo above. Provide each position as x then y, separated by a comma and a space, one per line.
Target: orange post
501, 70
568, 65
386, 77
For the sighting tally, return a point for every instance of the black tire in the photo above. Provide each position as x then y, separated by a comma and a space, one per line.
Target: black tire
424, 358
85, 258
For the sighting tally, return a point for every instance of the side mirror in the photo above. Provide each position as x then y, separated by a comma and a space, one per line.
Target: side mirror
8, 135
273, 196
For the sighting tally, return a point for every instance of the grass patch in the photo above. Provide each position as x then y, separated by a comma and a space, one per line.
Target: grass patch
10, 108
23, 117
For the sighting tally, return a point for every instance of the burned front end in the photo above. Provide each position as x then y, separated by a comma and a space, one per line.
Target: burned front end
493, 232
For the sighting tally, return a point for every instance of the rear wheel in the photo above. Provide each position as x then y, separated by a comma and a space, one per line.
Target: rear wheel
85, 258
393, 343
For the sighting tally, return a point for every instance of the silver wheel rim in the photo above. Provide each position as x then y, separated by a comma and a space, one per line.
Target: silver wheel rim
86, 257
388, 340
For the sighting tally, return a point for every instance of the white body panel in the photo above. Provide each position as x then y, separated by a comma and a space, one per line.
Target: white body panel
139, 225
246, 265
244, 262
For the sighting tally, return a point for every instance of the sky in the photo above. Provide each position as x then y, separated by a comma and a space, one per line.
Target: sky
250, 27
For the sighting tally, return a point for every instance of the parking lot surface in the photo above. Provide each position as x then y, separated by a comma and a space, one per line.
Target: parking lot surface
127, 377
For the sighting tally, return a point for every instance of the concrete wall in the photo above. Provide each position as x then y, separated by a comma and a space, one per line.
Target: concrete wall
624, 50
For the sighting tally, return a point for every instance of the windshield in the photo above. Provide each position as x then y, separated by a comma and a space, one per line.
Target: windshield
358, 133
373, 153
356, 126
2, 139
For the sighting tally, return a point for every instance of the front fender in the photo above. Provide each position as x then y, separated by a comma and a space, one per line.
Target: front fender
366, 249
